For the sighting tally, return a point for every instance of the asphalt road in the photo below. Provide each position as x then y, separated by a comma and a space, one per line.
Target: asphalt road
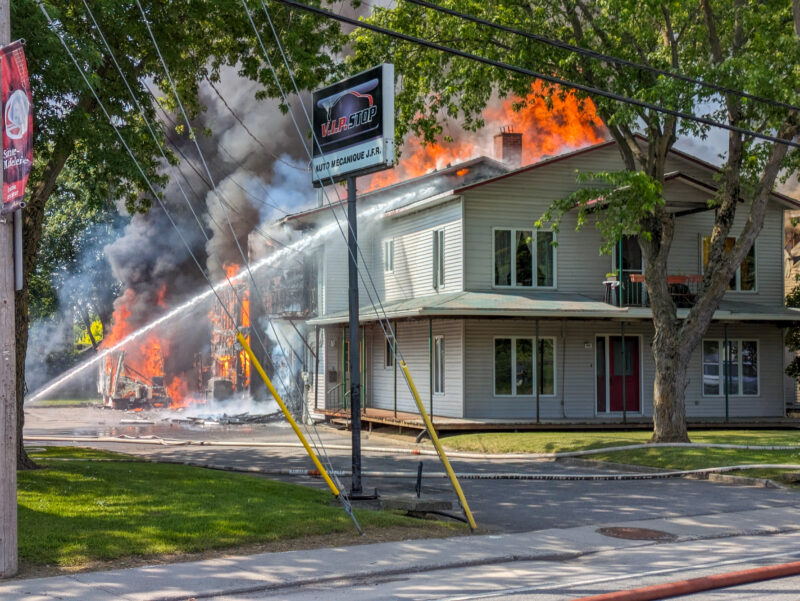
498, 505
592, 574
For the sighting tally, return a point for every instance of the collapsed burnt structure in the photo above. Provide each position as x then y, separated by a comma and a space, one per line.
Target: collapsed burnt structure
122, 386
225, 370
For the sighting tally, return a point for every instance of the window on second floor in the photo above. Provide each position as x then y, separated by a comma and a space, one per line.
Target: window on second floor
745, 278
524, 258
438, 258
388, 256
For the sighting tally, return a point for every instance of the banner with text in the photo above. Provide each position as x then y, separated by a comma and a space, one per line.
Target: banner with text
354, 126
17, 125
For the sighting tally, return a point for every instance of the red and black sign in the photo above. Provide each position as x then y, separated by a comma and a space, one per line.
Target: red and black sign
17, 125
354, 126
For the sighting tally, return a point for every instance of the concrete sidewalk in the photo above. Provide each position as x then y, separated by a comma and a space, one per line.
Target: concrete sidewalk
238, 574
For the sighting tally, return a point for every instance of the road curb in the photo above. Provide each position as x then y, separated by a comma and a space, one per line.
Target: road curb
696, 585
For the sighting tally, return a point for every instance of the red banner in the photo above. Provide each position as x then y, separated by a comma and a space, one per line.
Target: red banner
17, 125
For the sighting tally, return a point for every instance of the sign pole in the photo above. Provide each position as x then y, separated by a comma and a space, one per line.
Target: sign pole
8, 389
355, 361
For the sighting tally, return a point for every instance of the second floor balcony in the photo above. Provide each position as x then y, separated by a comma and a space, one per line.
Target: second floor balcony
631, 291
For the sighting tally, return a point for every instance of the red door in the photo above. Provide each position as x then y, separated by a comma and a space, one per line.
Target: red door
630, 368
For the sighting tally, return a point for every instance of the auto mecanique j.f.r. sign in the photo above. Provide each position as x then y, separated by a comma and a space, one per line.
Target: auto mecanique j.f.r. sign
354, 126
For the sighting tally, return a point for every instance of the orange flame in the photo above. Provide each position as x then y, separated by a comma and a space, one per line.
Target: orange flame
547, 130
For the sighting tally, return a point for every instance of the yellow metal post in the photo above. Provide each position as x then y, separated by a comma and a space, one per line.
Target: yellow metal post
289, 418
437, 444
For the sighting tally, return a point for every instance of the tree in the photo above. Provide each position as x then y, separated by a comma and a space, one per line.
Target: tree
742, 44
73, 136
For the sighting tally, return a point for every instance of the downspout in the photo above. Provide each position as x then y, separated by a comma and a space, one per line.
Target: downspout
430, 366
344, 368
619, 279
538, 370
624, 380
316, 371
394, 363
726, 372
563, 365
363, 357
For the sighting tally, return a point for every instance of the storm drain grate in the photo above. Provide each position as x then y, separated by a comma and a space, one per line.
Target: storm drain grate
636, 533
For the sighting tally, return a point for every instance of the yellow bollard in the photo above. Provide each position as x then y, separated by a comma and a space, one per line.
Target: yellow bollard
439, 449
286, 413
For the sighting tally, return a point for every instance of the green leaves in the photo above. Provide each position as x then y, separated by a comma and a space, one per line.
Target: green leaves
620, 202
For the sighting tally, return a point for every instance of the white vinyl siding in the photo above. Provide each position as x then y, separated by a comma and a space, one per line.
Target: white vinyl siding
413, 252
413, 341
517, 202
576, 380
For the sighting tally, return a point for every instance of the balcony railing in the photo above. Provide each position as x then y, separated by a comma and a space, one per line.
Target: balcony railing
301, 302
630, 290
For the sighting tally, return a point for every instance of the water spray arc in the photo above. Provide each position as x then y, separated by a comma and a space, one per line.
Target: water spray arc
296, 247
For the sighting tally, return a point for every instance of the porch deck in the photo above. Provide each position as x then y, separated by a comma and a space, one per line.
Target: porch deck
413, 421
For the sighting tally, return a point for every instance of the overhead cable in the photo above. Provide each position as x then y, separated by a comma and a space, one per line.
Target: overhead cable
591, 90
604, 57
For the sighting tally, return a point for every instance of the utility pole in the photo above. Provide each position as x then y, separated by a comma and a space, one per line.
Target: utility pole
355, 356
8, 373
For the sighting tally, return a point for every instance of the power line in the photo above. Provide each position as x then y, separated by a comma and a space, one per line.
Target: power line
544, 77
150, 185
604, 57
212, 182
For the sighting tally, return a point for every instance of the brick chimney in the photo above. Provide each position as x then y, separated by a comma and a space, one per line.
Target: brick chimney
508, 147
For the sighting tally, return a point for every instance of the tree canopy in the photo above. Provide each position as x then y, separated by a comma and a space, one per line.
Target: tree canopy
79, 161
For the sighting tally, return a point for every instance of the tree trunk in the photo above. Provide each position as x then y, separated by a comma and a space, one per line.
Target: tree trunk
669, 388
33, 218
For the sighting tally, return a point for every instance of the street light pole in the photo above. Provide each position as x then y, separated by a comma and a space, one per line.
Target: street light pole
8, 372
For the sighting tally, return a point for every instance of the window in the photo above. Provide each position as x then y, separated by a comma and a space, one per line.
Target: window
516, 363
388, 256
438, 259
737, 369
388, 357
524, 258
438, 365
745, 278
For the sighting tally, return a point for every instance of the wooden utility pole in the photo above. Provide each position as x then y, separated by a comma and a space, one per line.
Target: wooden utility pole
8, 372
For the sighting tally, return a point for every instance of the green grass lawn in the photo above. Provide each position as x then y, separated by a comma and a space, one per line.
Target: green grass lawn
674, 458
76, 512
64, 403
553, 442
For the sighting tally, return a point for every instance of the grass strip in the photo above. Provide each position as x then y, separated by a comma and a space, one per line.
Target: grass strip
77, 512
554, 442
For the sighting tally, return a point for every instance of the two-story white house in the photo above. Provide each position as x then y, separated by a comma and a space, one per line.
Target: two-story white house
497, 323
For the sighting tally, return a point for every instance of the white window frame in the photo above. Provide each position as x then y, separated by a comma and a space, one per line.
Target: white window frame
738, 287
437, 258
439, 359
388, 255
534, 257
722, 374
514, 367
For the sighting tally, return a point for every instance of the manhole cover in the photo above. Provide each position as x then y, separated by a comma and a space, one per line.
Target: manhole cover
636, 533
